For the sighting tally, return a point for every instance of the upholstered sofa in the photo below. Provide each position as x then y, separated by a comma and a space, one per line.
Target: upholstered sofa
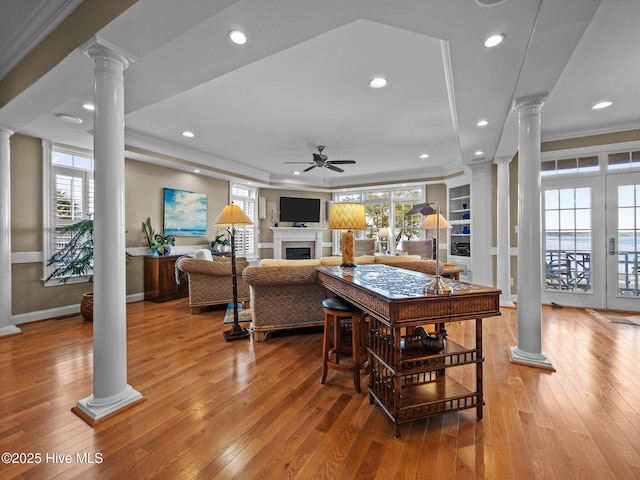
286, 294
210, 281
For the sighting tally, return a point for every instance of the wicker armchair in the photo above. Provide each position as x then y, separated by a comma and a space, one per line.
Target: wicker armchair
424, 248
210, 281
284, 297
364, 246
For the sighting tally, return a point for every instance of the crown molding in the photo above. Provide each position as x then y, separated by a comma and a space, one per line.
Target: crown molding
41, 23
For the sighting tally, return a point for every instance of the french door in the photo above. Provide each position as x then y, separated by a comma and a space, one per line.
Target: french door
573, 241
623, 241
591, 241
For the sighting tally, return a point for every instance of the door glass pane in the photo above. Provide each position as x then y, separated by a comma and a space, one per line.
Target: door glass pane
628, 216
568, 239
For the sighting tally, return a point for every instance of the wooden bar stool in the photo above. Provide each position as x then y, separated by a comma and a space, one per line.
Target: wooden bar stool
335, 310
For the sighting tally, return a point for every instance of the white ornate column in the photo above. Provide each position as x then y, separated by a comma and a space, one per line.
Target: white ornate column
110, 389
6, 322
529, 348
503, 260
481, 221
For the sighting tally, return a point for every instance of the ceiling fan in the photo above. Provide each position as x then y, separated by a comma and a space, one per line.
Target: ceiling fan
321, 160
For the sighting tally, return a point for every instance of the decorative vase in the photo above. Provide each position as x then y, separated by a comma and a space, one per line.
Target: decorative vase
86, 306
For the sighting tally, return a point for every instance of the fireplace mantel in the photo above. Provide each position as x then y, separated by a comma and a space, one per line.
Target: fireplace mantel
297, 234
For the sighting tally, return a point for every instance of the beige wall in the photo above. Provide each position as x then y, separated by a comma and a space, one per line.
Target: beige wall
144, 185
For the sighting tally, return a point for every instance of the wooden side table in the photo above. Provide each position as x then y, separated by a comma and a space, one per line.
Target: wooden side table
160, 279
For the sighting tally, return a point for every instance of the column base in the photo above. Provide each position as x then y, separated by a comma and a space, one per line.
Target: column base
9, 330
91, 410
530, 359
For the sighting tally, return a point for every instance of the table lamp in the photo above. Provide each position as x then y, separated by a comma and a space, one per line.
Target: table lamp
231, 216
434, 221
348, 217
384, 233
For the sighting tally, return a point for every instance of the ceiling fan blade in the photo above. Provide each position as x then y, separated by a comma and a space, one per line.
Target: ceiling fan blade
317, 158
341, 162
309, 168
335, 169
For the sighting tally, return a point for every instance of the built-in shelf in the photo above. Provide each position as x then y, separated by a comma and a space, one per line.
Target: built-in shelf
459, 216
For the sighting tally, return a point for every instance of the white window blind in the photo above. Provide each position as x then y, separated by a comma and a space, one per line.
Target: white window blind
246, 198
68, 194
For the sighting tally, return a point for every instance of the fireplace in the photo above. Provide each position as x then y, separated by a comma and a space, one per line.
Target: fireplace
297, 253
290, 237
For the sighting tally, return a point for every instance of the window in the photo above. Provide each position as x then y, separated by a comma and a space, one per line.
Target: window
623, 160
569, 165
246, 198
388, 208
68, 193
568, 235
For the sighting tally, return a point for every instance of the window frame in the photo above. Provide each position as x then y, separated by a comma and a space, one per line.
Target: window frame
249, 204
390, 197
49, 218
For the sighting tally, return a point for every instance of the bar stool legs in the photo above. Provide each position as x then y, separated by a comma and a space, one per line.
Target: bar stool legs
335, 310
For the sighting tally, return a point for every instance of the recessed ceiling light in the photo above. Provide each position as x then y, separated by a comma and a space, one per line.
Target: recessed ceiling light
188, 134
424, 155
196, 171
237, 37
483, 123
88, 106
65, 117
600, 105
479, 152
296, 173
494, 40
378, 82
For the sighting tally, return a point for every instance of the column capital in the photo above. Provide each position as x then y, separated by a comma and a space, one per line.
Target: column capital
530, 102
7, 130
502, 161
96, 47
479, 164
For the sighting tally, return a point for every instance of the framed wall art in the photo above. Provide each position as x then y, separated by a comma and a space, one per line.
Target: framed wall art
185, 213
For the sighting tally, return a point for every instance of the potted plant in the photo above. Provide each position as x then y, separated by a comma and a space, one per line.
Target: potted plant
75, 259
159, 244
220, 244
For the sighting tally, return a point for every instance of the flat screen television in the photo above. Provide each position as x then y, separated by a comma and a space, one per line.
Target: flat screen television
299, 209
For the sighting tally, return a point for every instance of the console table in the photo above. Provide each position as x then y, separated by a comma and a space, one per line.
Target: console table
160, 279
407, 381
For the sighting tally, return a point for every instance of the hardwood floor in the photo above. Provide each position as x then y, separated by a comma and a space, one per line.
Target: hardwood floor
244, 410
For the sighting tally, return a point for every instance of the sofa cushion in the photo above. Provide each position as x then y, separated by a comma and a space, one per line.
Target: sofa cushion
395, 259
272, 262
336, 261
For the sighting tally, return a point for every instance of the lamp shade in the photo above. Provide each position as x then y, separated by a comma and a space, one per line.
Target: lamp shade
347, 216
431, 222
383, 232
232, 215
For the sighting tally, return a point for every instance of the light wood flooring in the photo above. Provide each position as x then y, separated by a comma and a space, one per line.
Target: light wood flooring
245, 410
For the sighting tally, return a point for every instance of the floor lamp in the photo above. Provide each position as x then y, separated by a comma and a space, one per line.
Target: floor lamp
348, 217
231, 216
434, 221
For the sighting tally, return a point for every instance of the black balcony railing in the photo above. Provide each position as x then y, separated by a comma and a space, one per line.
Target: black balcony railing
571, 271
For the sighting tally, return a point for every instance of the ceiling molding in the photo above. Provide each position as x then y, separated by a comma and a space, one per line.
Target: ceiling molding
448, 75
589, 132
41, 23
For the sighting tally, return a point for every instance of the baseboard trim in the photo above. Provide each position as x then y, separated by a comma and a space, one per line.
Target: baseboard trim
60, 312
